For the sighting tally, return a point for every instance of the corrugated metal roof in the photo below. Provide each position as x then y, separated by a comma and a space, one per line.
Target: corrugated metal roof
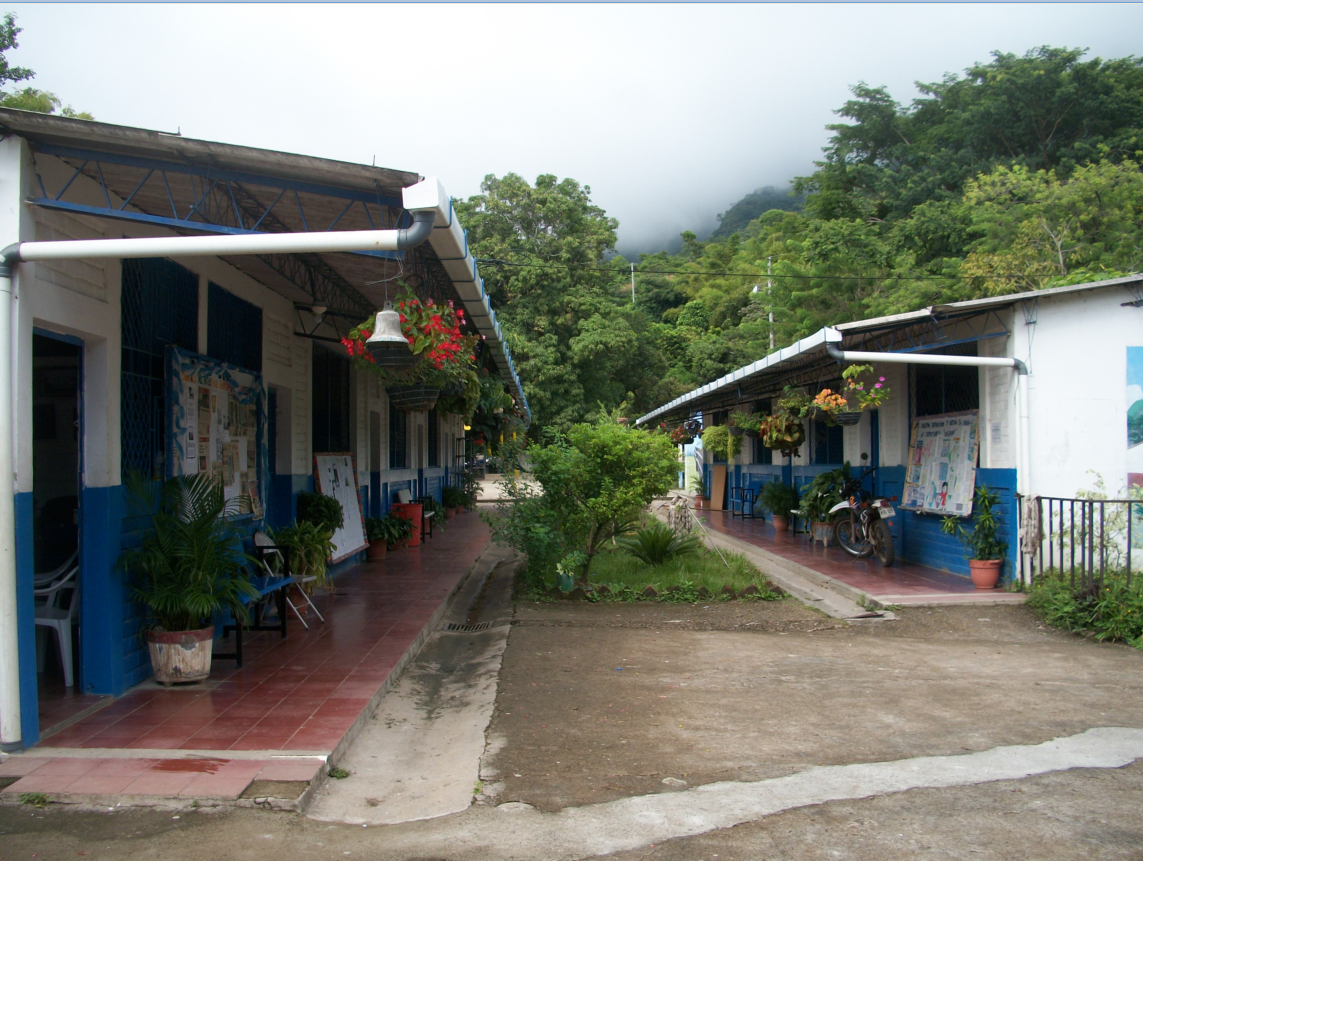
800, 354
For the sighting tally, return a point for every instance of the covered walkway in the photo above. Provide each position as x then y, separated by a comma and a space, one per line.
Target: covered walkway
902, 584
285, 713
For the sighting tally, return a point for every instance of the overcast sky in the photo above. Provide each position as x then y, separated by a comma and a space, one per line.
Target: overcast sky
669, 113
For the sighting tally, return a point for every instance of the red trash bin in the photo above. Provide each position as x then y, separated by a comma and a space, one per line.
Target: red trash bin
414, 512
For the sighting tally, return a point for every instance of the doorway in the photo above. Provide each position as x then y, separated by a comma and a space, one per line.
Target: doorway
57, 459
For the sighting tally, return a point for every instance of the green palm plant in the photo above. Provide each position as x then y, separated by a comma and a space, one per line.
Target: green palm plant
656, 542
191, 563
308, 547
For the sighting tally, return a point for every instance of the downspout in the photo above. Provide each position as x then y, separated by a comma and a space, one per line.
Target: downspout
868, 357
11, 733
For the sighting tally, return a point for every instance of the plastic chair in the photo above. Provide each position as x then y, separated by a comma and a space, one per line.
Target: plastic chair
264, 549
45, 579
61, 618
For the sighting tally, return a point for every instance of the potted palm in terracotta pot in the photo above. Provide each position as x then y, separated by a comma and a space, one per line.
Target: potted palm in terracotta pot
779, 498
984, 540
189, 566
378, 537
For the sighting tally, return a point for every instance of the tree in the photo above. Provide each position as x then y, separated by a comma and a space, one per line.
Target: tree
29, 98
596, 480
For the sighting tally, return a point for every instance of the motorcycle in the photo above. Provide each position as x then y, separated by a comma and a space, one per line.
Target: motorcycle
860, 520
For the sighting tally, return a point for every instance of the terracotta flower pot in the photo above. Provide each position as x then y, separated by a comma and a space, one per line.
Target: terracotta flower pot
398, 545
181, 656
781, 523
984, 574
375, 550
700, 500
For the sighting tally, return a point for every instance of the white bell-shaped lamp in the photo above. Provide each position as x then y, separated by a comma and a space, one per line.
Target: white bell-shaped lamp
386, 333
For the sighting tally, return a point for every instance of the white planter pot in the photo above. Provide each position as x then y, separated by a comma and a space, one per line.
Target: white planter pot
181, 657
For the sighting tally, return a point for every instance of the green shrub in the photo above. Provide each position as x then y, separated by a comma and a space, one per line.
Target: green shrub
777, 497
320, 509
656, 542
309, 549
1109, 609
596, 480
985, 540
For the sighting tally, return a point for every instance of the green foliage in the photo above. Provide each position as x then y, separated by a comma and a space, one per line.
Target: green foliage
190, 563
823, 493
721, 441
321, 509
777, 497
596, 479
337, 773
391, 528
1108, 609
454, 497
680, 579
309, 547
29, 98
985, 540
34, 798
742, 212
656, 542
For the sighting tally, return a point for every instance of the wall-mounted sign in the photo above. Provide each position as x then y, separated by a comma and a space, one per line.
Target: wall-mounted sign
218, 425
940, 475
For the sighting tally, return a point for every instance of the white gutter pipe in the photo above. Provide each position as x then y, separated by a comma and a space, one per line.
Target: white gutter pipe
869, 357
11, 731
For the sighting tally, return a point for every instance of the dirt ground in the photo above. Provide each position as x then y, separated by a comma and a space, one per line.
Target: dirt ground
601, 702
597, 702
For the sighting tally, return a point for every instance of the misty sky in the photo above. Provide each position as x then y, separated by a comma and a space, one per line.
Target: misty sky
669, 113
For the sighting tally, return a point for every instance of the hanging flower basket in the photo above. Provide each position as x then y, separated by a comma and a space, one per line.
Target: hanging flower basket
735, 430
413, 396
847, 418
392, 356
454, 388
752, 434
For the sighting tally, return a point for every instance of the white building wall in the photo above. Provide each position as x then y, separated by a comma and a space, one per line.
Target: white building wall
893, 418
1078, 410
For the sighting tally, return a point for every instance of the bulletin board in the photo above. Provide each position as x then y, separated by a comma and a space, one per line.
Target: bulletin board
336, 476
940, 475
218, 425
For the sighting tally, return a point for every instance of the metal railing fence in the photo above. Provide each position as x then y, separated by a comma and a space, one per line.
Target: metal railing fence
1082, 538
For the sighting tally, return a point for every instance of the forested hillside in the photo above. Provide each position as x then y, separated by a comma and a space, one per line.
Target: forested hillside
1020, 173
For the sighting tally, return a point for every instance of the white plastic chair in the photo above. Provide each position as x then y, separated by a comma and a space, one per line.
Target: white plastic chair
45, 579
264, 540
60, 618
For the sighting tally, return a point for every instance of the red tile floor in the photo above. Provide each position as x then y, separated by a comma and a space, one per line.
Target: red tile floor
295, 697
903, 583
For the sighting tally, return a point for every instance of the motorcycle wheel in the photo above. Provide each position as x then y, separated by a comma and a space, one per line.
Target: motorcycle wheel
883, 545
844, 530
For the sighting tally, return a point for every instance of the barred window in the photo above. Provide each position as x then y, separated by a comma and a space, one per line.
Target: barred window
399, 439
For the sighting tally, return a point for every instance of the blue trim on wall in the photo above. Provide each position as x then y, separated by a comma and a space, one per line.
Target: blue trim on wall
23, 546
282, 510
101, 618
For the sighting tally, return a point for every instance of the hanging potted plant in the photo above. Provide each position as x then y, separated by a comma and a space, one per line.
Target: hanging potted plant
189, 566
864, 388
782, 432
722, 440
984, 541
833, 409
438, 352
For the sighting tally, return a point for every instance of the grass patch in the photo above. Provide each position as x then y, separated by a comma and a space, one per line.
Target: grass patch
35, 799
1109, 610
336, 773
680, 578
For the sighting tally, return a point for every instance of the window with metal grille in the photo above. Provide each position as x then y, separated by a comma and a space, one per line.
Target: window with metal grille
433, 439
761, 455
330, 389
939, 389
160, 305
236, 329
828, 444
399, 439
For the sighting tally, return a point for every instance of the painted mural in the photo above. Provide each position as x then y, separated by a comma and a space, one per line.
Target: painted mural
218, 425
1134, 396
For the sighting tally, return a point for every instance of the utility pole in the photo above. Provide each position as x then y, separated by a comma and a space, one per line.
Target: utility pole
770, 311
633, 285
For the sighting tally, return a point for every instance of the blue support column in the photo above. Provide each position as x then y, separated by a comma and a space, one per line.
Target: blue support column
102, 631
23, 541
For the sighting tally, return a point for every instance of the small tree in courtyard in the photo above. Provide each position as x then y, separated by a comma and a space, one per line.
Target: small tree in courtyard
596, 480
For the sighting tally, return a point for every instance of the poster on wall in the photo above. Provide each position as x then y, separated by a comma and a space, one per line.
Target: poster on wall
218, 426
1134, 400
940, 475
336, 476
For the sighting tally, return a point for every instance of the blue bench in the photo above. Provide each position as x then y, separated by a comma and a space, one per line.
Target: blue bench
267, 588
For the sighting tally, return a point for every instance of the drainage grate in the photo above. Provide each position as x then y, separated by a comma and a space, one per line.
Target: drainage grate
467, 627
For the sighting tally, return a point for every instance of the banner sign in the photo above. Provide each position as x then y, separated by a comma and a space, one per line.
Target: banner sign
940, 475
